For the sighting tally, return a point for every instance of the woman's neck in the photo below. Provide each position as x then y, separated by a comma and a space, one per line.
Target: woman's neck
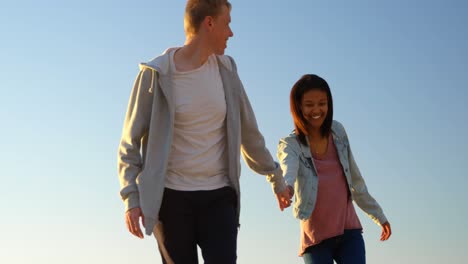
315, 133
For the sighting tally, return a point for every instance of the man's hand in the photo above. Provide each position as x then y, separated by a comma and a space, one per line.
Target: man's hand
386, 231
291, 191
284, 198
132, 219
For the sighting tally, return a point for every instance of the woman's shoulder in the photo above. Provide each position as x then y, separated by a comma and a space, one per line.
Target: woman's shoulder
289, 139
338, 128
337, 125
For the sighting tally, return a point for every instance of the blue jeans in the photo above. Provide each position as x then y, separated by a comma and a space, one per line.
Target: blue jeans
347, 248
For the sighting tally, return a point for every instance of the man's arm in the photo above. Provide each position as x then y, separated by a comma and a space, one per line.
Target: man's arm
135, 130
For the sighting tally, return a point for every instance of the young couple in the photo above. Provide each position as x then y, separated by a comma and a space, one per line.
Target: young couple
189, 120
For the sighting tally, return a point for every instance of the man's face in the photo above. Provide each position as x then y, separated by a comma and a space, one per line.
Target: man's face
221, 31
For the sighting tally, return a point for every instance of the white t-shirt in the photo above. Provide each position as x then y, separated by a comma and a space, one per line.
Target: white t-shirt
198, 159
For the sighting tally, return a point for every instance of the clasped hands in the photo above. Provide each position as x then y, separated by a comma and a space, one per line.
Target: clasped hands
284, 197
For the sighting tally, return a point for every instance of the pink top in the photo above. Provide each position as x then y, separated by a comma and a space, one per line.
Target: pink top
334, 211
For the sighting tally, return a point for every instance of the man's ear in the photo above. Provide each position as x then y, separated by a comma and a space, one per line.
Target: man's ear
208, 22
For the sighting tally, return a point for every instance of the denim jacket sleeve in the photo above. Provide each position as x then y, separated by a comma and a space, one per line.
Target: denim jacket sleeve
288, 156
360, 194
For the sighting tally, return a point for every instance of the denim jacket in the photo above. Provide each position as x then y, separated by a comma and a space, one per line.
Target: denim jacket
299, 171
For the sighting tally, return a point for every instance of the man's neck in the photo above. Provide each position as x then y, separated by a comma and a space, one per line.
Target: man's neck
192, 55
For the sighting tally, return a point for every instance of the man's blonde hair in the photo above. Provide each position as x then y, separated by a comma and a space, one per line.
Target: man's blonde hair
197, 10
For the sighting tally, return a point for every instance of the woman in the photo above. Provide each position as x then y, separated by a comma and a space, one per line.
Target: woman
317, 160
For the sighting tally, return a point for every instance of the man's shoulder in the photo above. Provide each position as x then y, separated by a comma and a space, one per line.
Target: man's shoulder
159, 63
227, 62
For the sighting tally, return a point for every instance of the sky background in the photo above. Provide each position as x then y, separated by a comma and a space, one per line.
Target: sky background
398, 73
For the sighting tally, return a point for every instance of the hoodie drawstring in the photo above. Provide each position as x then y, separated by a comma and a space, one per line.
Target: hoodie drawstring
152, 82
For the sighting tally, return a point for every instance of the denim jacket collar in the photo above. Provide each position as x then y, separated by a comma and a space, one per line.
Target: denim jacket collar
338, 138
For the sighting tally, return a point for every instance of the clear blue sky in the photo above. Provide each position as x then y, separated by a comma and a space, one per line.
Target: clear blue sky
398, 72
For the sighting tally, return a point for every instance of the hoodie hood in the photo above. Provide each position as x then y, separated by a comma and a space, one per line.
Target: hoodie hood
161, 63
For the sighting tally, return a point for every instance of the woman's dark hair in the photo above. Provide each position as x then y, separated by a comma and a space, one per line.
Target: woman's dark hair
307, 83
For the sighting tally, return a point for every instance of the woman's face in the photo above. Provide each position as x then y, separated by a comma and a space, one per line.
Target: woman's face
314, 108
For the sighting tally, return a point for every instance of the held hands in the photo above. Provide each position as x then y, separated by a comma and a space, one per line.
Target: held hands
386, 231
284, 197
132, 219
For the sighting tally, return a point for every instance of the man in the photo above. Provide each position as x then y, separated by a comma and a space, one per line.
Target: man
188, 121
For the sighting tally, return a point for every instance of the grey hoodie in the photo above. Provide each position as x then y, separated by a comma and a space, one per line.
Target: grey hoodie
148, 129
